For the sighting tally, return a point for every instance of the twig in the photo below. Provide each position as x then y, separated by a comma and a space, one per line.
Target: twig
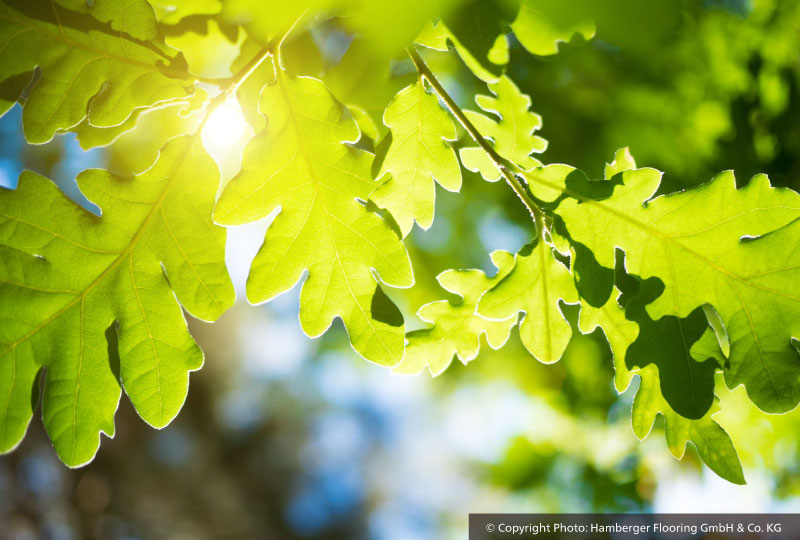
499, 161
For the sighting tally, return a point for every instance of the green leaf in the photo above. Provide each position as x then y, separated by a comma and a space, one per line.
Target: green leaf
302, 164
694, 242
620, 332
418, 155
173, 11
540, 178
707, 347
510, 125
365, 123
536, 285
718, 327
207, 48
623, 161
134, 17
542, 24
457, 329
712, 441
67, 276
91, 73
172, 114
477, 31
433, 36
686, 384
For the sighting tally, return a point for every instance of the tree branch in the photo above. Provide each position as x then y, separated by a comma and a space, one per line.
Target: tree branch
502, 164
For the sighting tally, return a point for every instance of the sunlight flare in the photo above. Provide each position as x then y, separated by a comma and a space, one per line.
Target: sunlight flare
226, 132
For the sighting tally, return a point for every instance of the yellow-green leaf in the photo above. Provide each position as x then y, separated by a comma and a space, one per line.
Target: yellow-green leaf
104, 77
536, 285
68, 276
418, 155
457, 329
302, 163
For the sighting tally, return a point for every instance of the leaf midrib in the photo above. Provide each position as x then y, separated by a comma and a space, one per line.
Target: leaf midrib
655, 233
729, 275
113, 265
312, 172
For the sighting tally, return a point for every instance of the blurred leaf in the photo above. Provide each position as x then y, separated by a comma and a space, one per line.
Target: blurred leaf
477, 31
542, 24
208, 53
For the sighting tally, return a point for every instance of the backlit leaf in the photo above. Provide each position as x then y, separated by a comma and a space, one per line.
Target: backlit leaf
509, 124
103, 75
67, 276
302, 163
712, 441
418, 155
694, 242
542, 24
536, 285
134, 17
457, 329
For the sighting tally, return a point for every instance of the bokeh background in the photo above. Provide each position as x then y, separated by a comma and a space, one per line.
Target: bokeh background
285, 437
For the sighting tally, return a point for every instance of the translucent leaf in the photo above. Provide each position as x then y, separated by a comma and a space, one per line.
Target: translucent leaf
418, 155
302, 163
457, 329
173, 115
173, 11
365, 123
207, 50
67, 276
712, 441
510, 125
542, 24
134, 17
90, 73
619, 331
687, 383
623, 161
697, 242
536, 285
707, 347
477, 31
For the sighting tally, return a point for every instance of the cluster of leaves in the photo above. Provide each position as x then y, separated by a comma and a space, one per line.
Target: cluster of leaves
683, 286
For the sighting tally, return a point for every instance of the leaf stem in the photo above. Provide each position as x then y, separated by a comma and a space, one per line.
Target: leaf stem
243, 74
234, 83
501, 163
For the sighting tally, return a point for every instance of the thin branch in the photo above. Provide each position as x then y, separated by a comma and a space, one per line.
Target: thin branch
243, 74
234, 83
502, 164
